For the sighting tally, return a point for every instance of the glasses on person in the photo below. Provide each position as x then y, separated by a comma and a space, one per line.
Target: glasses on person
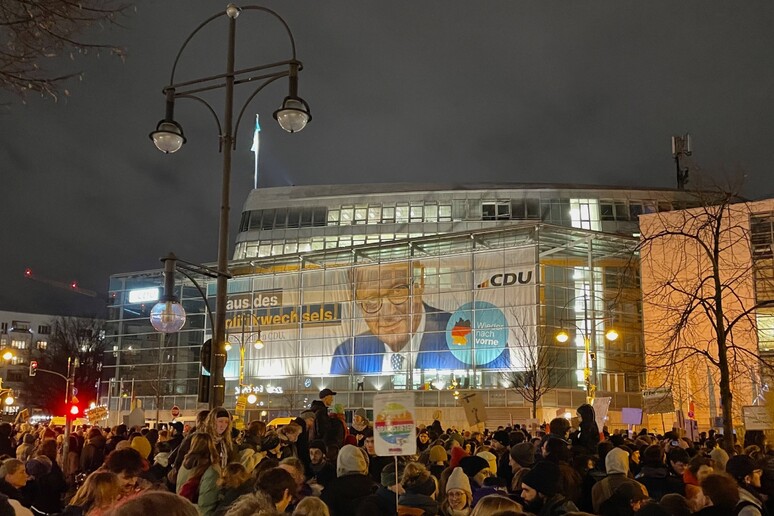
397, 295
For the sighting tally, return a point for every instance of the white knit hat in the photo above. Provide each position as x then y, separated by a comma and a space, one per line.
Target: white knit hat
459, 480
491, 459
351, 459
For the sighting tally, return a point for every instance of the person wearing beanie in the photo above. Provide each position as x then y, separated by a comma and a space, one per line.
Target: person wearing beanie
747, 474
423, 441
491, 458
455, 439
459, 495
382, 501
271, 445
437, 459
539, 491
477, 470
352, 483
420, 491
218, 425
626, 501
321, 470
520, 459
617, 467
143, 446
720, 459
457, 454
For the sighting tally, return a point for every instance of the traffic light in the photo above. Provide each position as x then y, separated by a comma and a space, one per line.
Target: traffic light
204, 373
33, 368
72, 409
27, 272
74, 285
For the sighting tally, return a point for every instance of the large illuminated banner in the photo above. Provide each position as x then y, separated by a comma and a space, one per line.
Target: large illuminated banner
449, 313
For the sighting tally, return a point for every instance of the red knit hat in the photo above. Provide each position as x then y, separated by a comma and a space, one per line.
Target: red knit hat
456, 455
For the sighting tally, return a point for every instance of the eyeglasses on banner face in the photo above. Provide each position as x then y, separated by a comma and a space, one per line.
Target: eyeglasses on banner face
397, 295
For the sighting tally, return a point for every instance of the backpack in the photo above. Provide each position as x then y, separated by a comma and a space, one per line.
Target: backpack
746, 503
190, 489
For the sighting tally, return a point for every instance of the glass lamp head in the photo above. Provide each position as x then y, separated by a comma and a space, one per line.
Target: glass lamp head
168, 136
562, 336
293, 115
167, 316
8, 355
611, 335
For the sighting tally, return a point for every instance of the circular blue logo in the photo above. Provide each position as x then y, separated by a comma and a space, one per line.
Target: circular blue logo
477, 333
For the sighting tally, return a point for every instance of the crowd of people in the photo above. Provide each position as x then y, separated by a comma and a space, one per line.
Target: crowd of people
318, 465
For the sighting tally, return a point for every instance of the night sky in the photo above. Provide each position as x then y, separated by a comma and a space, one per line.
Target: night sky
400, 91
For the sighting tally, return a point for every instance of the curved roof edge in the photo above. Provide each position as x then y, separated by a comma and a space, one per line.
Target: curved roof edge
337, 190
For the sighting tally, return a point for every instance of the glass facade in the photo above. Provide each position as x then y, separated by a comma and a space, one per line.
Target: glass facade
427, 313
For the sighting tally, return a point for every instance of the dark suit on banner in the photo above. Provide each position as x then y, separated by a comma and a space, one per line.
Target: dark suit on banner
433, 353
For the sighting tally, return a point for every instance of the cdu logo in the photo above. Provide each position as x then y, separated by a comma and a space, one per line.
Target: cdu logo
507, 279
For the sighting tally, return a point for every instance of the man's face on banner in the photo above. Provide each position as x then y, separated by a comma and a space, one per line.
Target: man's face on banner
388, 295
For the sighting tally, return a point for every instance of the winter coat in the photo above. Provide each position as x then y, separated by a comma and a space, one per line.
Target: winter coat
617, 466
658, 481
49, 489
424, 503
556, 506
93, 454
208, 489
380, 503
344, 494
751, 505
230, 495
13, 493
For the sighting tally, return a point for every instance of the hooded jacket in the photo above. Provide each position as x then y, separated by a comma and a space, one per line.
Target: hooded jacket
617, 467
426, 505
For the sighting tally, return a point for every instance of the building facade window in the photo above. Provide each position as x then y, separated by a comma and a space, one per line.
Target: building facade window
496, 210
762, 250
42, 345
44, 329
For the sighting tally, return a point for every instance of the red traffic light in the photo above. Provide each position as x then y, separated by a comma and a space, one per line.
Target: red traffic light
74, 285
74, 410
27, 272
33, 368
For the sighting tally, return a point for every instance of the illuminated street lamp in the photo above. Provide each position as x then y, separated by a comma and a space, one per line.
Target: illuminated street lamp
8, 355
292, 116
168, 315
562, 336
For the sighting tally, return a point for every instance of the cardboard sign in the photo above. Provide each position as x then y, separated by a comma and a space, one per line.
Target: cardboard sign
757, 417
475, 412
631, 416
658, 401
601, 406
395, 424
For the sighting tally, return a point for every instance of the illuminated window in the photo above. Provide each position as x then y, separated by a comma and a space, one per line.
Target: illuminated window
584, 214
19, 344
42, 344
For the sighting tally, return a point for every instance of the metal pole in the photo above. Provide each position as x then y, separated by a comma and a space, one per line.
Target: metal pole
217, 355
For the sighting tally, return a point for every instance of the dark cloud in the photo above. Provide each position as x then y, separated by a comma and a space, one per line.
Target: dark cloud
400, 91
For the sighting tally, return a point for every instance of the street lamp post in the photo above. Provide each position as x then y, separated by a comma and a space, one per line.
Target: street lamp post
292, 116
590, 355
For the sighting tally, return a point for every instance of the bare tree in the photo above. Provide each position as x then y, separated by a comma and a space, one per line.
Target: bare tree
71, 337
699, 307
539, 360
34, 31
